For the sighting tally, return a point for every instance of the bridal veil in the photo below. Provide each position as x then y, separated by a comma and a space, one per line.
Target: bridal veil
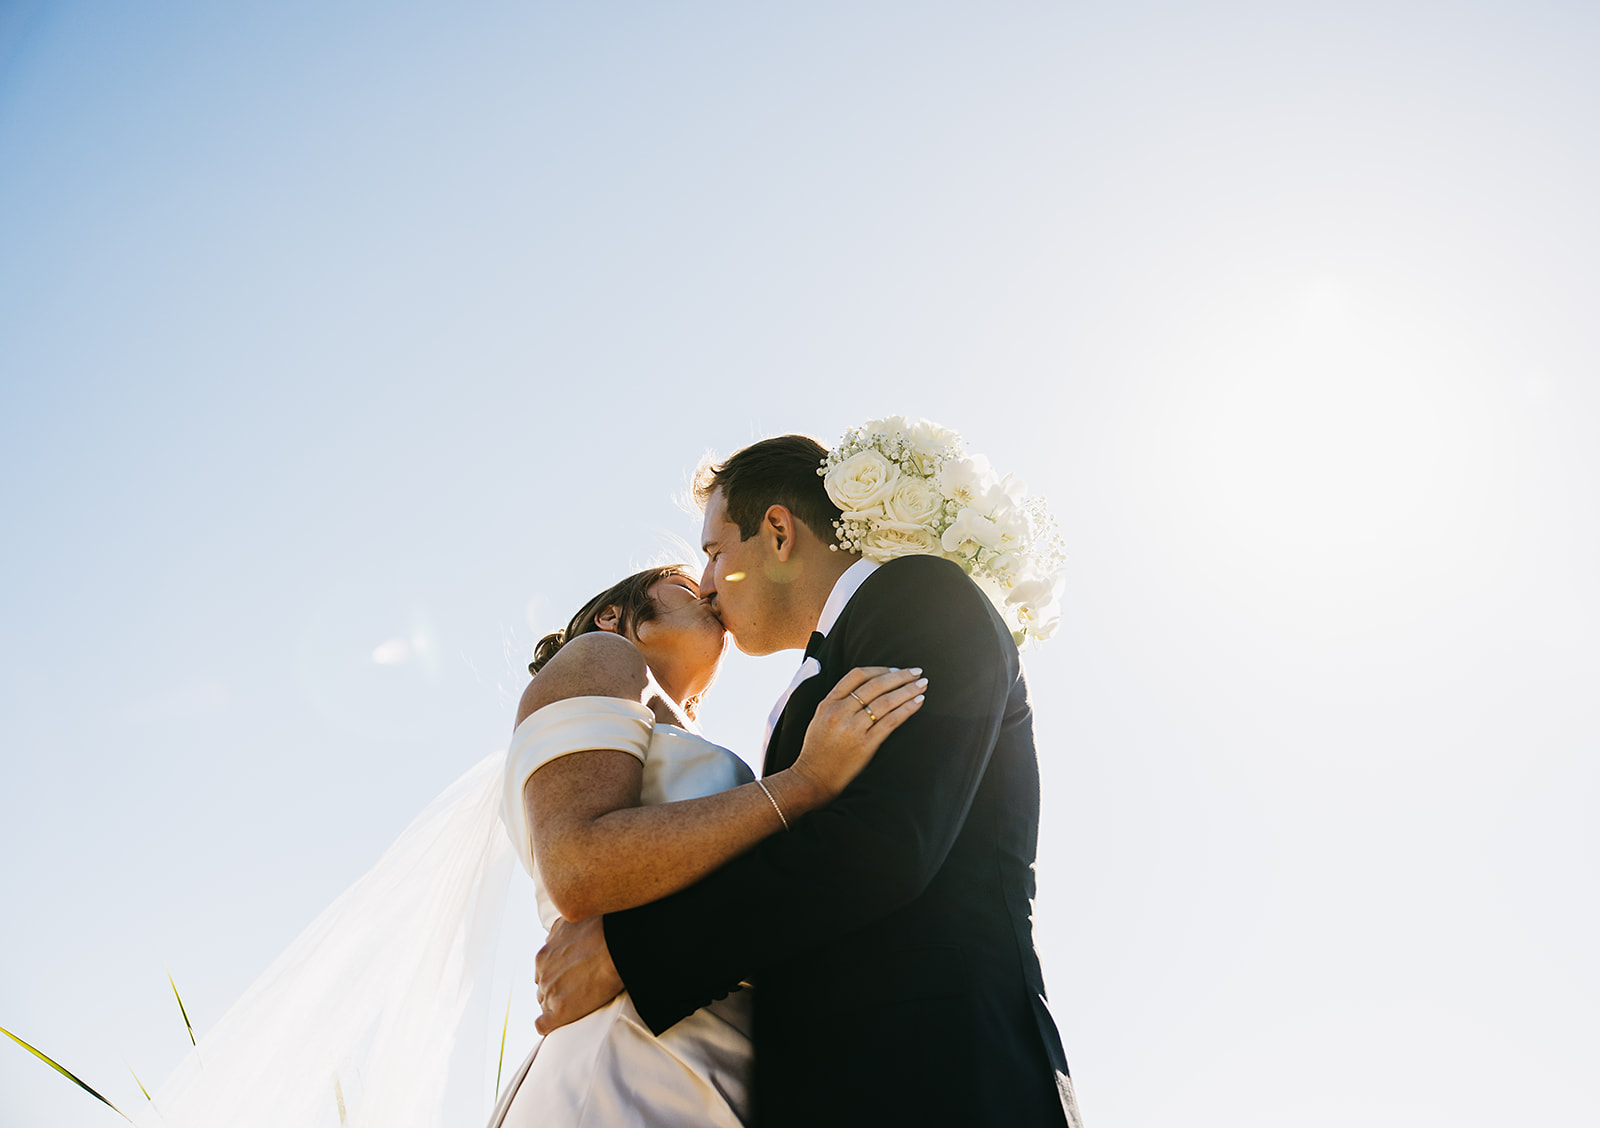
357, 1022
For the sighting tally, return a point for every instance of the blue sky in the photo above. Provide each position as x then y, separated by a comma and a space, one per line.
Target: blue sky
327, 325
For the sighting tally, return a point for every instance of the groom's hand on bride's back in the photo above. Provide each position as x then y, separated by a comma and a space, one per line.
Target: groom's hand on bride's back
574, 973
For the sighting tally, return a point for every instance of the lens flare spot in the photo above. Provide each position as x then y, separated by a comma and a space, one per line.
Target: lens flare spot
733, 577
392, 653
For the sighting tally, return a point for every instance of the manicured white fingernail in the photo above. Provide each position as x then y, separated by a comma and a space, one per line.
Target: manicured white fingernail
921, 682
916, 669
918, 698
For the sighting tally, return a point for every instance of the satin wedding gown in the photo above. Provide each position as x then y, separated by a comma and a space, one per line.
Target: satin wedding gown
607, 1070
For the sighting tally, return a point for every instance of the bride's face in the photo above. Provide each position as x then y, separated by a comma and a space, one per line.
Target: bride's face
683, 644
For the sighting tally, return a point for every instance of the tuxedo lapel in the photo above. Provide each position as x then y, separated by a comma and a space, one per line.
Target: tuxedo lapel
788, 734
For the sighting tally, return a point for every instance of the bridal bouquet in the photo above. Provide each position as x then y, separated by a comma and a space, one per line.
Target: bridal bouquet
907, 488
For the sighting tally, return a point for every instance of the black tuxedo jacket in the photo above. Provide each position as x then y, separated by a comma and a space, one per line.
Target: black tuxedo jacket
889, 934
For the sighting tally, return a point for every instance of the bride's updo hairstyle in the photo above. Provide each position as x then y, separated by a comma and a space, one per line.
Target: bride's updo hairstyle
631, 598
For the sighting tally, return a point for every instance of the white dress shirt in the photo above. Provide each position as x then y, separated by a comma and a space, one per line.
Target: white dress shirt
844, 588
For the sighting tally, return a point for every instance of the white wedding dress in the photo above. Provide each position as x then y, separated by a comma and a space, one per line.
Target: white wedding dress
608, 1070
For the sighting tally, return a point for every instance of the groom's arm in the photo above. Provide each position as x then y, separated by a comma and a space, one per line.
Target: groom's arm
873, 849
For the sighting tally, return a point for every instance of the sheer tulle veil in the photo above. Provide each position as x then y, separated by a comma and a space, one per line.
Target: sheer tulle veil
358, 1020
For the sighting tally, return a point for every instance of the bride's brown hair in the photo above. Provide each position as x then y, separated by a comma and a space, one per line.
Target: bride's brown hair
631, 598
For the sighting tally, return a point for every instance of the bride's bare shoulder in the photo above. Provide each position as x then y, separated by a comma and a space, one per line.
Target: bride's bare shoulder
597, 664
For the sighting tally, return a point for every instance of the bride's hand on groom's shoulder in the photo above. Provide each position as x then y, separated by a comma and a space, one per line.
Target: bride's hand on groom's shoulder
574, 973
852, 722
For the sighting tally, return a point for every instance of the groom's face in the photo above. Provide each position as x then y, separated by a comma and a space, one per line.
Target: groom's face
736, 582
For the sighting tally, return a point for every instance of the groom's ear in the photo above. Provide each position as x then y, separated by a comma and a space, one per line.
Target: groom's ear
777, 525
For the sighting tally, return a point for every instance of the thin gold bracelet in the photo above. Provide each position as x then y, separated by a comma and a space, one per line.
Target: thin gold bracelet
781, 816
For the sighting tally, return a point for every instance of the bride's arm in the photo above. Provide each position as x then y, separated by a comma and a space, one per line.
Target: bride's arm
599, 851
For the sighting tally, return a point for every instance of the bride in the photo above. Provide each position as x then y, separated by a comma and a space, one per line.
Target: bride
611, 799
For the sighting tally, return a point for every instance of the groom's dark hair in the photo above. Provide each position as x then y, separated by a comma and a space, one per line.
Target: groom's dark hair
784, 471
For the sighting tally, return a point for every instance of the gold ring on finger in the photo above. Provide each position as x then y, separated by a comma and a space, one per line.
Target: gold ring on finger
870, 713
860, 702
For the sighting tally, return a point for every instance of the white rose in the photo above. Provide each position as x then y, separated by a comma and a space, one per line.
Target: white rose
861, 482
889, 539
930, 438
969, 532
927, 441
971, 482
913, 502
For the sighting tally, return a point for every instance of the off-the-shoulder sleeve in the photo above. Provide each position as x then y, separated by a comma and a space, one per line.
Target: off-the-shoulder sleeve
577, 724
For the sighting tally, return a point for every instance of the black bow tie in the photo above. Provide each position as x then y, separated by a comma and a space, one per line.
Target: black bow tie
814, 647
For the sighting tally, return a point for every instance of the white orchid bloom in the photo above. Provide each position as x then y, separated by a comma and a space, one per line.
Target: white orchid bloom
969, 532
1015, 528
1008, 568
1036, 605
971, 482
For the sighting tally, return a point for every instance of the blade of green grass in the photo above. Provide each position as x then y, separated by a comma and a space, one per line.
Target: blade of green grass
183, 1010
65, 1073
504, 1026
139, 1083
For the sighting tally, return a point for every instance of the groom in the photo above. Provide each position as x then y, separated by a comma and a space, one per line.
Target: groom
889, 934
